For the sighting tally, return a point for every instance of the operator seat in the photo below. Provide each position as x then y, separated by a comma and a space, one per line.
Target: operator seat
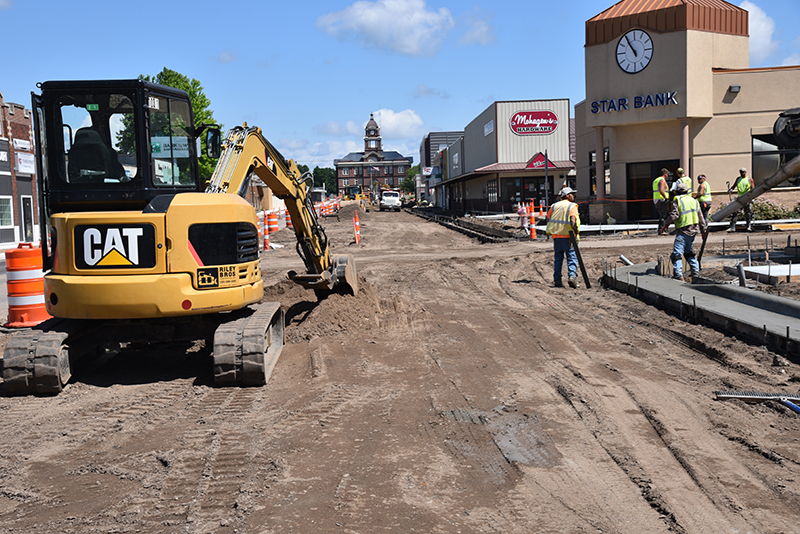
90, 159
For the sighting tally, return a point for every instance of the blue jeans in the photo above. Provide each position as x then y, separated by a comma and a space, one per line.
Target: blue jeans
683, 247
562, 246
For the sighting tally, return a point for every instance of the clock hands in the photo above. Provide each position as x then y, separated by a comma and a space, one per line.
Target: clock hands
631, 46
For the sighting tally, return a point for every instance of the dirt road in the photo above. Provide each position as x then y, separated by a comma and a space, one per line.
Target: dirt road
458, 392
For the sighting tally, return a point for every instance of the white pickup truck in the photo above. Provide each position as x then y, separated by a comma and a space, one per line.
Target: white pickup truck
390, 200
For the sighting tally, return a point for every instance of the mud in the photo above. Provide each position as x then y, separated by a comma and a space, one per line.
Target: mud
457, 392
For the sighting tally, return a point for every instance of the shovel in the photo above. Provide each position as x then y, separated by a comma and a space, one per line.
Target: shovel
574, 242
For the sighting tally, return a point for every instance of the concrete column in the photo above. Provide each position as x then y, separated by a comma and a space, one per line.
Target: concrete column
599, 163
685, 146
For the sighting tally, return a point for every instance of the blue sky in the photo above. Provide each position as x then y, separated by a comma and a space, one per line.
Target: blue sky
309, 73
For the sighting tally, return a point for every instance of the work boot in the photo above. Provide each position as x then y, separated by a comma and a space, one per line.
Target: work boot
694, 274
573, 283
558, 283
748, 229
677, 277
731, 229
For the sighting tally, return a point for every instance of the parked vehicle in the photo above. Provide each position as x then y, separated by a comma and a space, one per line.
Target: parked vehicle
390, 200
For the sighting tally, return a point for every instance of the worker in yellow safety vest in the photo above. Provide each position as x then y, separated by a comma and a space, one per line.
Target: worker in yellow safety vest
685, 212
561, 218
681, 179
742, 185
661, 198
703, 195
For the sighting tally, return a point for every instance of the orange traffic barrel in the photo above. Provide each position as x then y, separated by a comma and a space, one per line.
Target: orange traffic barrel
289, 223
272, 222
25, 283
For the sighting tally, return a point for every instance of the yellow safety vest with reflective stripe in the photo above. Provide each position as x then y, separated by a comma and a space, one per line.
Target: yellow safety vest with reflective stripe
558, 223
706, 196
656, 190
686, 180
688, 209
743, 185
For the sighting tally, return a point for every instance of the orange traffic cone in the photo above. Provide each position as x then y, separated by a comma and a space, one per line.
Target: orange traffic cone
357, 227
532, 222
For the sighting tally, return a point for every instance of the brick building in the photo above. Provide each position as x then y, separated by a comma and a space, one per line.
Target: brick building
373, 165
18, 202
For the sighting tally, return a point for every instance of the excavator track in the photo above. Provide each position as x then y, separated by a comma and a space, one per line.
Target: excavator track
247, 349
36, 362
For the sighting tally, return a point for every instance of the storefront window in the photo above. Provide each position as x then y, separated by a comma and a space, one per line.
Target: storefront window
491, 190
768, 157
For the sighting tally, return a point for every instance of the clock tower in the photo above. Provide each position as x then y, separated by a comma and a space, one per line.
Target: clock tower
647, 62
372, 140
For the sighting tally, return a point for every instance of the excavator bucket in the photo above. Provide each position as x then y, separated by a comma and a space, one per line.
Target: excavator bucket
345, 270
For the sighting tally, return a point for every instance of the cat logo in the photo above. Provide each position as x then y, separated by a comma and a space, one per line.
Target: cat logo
115, 246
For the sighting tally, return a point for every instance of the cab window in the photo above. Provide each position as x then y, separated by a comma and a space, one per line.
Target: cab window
98, 145
170, 142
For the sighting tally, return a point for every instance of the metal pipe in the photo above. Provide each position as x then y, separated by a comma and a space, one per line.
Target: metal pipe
625, 260
742, 278
781, 175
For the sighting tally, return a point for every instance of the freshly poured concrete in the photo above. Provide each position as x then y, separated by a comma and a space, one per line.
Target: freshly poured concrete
765, 318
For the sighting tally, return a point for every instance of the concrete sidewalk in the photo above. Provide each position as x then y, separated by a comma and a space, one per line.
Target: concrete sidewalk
761, 317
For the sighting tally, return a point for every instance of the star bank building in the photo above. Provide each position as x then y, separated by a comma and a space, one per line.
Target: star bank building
668, 85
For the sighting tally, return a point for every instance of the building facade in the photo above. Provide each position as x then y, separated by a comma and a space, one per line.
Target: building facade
514, 151
371, 167
668, 85
18, 202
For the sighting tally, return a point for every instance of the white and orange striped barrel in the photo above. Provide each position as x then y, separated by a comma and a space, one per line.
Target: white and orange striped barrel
25, 283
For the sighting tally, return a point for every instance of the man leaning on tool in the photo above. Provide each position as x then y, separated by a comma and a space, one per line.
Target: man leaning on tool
561, 218
685, 212
742, 185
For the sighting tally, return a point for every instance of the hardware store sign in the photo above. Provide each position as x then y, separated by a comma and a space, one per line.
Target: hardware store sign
534, 122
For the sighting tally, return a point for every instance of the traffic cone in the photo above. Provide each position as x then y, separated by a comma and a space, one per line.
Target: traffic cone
357, 227
25, 286
532, 222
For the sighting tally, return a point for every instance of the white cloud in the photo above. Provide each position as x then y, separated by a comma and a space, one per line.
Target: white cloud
399, 125
226, 57
794, 59
423, 91
403, 26
762, 27
480, 33
316, 154
349, 128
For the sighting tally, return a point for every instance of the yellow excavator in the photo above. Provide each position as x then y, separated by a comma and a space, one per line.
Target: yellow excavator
137, 250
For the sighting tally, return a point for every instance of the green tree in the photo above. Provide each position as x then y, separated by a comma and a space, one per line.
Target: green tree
200, 107
302, 168
325, 176
412, 172
409, 185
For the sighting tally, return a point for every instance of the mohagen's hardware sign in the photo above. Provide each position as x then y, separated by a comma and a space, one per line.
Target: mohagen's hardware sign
534, 122
107, 246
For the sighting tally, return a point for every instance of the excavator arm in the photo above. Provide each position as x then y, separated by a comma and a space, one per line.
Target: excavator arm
247, 157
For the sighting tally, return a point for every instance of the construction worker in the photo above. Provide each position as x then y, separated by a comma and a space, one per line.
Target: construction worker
703, 195
685, 212
742, 185
681, 179
661, 198
561, 218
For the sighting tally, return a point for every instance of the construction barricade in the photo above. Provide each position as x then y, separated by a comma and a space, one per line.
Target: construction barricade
25, 284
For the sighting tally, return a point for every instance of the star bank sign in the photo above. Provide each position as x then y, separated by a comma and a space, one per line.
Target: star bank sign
638, 102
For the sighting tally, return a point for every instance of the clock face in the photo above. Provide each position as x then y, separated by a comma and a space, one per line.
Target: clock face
634, 51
